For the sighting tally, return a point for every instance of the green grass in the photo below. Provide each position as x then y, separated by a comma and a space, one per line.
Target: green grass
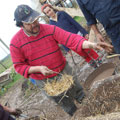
80, 20
7, 63
15, 79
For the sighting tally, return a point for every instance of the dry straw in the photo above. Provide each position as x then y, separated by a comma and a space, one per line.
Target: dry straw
55, 87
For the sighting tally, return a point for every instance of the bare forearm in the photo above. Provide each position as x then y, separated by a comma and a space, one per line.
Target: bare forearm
43, 69
34, 69
97, 33
12, 111
95, 29
87, 44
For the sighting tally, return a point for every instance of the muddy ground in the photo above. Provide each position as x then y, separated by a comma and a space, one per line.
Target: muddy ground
34, 103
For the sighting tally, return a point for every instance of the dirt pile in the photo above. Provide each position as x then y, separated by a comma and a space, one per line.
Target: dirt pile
104, 97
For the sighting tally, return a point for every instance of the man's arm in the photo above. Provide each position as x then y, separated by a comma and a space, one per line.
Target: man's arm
76, 42
19, 61
97, 32
22, 67
8, 109
12, 111
88, 16
43, 69
91, 20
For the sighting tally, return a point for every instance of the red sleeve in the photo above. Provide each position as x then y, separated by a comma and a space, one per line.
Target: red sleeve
19, 62
70, 40
74, 42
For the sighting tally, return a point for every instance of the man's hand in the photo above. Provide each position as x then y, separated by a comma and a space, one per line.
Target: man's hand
16, 112
102, 45
45, 70
97, 46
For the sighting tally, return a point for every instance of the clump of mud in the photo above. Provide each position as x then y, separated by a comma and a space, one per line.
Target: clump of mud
104, 97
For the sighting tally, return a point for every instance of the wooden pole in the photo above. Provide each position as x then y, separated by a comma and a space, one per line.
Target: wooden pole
3, 65
4, 43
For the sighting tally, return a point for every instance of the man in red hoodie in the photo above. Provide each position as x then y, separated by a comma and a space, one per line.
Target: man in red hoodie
35, 52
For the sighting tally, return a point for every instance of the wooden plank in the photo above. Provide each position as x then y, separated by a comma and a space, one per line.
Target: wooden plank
5, 82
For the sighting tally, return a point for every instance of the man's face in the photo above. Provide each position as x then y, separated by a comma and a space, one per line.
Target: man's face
32, 28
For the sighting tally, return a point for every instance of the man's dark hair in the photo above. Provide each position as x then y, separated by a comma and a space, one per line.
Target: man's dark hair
19, 24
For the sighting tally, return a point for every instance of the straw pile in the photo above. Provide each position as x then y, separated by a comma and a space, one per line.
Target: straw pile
55, 87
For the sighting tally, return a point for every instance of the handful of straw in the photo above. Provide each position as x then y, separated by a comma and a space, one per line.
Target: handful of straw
55, 87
